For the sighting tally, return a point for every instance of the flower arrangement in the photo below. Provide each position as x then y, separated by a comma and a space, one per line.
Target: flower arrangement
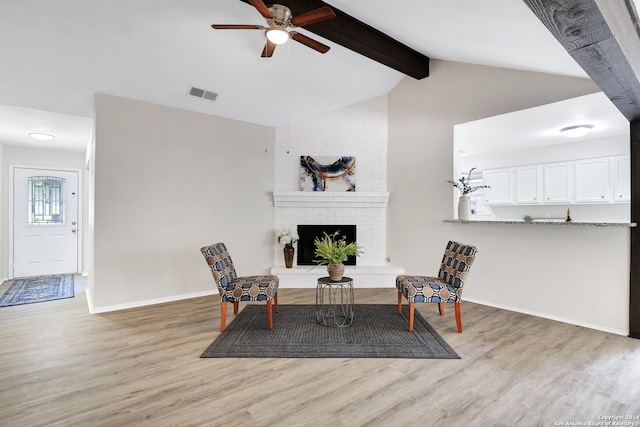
287, 237
462, 184
333, 250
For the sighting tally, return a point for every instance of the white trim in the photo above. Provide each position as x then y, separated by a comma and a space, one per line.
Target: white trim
328, 199
80, 227
551, 317
144, 303
364, 276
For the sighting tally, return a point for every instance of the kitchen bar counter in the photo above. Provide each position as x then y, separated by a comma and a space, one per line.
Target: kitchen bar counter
546, 222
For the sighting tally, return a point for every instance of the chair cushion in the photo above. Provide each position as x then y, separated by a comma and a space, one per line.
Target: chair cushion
220, 264
427, 289
250, 288
456, 262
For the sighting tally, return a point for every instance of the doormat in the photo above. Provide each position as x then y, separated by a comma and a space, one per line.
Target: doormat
38, 289
377, 331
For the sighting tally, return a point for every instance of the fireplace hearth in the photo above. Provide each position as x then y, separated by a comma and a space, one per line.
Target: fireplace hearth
308, 233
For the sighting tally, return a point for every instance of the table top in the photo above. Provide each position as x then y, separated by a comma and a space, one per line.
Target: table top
327, 280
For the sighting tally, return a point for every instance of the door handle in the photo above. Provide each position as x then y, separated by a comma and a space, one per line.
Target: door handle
73, 230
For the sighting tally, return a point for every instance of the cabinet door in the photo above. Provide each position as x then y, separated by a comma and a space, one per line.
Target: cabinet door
528, 184
499, 181
557, 183
592, 180
621, 179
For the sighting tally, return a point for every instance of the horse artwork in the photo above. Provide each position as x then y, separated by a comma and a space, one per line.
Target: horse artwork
327, 173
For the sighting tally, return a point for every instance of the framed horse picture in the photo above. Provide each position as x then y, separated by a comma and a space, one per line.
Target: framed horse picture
327, 173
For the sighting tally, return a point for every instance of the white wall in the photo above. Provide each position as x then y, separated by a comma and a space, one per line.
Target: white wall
3, 220
576, 274
30, 157
359, 130
168, 182
146, 249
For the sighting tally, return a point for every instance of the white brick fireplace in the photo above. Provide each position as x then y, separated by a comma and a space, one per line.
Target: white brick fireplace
361, 131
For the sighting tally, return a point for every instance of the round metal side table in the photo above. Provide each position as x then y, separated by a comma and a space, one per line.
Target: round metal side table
334, 302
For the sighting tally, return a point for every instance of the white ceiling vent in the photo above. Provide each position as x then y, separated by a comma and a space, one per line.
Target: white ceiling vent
203, 94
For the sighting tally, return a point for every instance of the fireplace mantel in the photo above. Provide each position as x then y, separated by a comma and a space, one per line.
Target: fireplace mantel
313, 199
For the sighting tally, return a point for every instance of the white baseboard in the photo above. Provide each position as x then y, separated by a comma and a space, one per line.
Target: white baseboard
174, 298
136, 304
551, 317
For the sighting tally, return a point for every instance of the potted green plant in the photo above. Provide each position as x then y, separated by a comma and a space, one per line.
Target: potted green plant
332, 251
462, 184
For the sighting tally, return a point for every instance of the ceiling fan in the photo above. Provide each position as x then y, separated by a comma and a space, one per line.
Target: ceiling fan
280, 18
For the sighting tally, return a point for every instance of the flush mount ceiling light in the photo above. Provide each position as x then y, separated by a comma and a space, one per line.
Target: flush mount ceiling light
41, 136
576, 131
277, 35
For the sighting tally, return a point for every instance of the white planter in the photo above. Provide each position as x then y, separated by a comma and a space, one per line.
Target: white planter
464, 208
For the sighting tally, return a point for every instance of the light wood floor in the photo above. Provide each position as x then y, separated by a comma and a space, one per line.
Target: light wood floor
62, 366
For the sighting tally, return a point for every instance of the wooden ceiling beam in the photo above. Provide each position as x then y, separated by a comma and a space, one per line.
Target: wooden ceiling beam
603, 37
359, 37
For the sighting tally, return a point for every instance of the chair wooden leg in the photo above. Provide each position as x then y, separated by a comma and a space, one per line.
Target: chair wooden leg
399, 302
275, 301
458, 317
235, 307
441, 308
269, 314
411, 312
223, 316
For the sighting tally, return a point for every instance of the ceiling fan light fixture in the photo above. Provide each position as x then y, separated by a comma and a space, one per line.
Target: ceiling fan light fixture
576, 131
41, 136
277, 35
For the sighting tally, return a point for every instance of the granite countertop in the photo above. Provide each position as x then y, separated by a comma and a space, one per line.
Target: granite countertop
546, 222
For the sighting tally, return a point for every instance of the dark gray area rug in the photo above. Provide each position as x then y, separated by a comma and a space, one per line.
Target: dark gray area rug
377, 331
38, 289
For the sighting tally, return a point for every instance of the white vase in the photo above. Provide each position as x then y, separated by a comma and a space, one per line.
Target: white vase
464, 208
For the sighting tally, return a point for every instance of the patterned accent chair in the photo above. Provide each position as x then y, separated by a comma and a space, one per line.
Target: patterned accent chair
235, 289
446, 288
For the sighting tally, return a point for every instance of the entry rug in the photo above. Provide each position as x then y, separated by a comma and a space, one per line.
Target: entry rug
377, 331
38, 289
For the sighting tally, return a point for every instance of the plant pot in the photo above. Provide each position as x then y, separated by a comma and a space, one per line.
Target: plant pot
464, 208
288, 256
335, 271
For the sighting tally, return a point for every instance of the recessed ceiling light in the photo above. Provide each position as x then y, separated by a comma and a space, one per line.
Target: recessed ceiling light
42, 136
576, 131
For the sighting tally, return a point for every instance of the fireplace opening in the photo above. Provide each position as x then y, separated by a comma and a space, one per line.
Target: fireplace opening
308, 233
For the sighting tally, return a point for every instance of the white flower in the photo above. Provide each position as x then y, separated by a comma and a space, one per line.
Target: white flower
285, 240
287, 236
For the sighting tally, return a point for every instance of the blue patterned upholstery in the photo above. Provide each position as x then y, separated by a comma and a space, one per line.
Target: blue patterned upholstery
233, 288
446, 287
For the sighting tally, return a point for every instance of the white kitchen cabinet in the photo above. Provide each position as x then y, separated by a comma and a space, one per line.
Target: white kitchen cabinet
528, 184
621, 178
558, 183
501, 187
592, 180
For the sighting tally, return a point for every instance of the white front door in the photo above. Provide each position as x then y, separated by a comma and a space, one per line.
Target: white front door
45, 220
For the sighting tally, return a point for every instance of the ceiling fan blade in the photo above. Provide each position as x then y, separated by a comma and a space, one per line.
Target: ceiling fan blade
312, 17
237, 27
309, 42
269, 47
262, 8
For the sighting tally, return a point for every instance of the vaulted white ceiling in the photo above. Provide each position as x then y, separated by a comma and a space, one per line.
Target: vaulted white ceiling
57, 54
